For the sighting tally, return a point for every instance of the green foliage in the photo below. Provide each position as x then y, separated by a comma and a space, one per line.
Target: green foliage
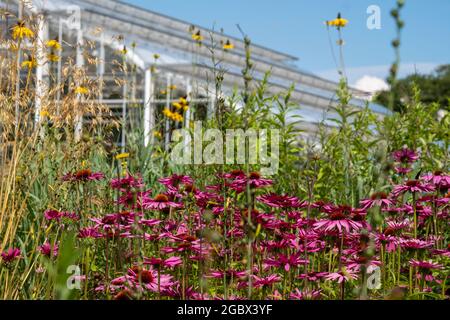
434, 88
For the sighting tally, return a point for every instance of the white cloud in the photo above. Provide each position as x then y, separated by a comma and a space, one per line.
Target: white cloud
371, 84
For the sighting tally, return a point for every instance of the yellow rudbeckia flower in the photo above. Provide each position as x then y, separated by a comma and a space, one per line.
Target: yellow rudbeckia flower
53, 44
228, 45
122, 156
197, 36
81, 90
20, 31
29, 64
177, 105
52, 57
339, 22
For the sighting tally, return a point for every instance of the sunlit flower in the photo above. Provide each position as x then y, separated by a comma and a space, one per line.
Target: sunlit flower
438, 178
228, 45
160, 202
10, 255
82, 90
339, 22
48, 249
21, 31
412, 186
167, 263
197, 36
286, 262
425, 266
405, 155
281, 201
53, 57
342, 276
306, 294
259, 282
254, 180
339, 218
83, 175
127, 182
54, 44
29, 63
121, 156
379, 199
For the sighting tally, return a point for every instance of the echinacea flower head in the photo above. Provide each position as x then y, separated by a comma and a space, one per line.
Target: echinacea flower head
52, 215
49, 250
306, 294
402, 170
412, 186
259, 282
286, 262
379, 199
21, 31
144, 278
10, 255
126, 183
176, 180
339, 219
280, 201
438, 178
425, 266
83, 175
405, 156
159, 202
165, 263
342, 276
254, 180
416, 244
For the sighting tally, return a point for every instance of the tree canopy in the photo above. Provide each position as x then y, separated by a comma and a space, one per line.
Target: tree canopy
434, 87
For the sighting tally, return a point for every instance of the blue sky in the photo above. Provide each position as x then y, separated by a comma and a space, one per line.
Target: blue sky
296, 27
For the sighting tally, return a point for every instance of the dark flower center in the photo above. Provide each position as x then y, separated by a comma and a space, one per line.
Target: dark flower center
161, 198
83, 174
236, 173
438, 173
412, 183
337, 216
123, 295
189, 188
145, 276
379, 195
254, 175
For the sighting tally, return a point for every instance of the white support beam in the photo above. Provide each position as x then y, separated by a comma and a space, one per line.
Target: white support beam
124, 114
189, 98
168, 106
41, 68
59, 71
149, 117
80, 64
